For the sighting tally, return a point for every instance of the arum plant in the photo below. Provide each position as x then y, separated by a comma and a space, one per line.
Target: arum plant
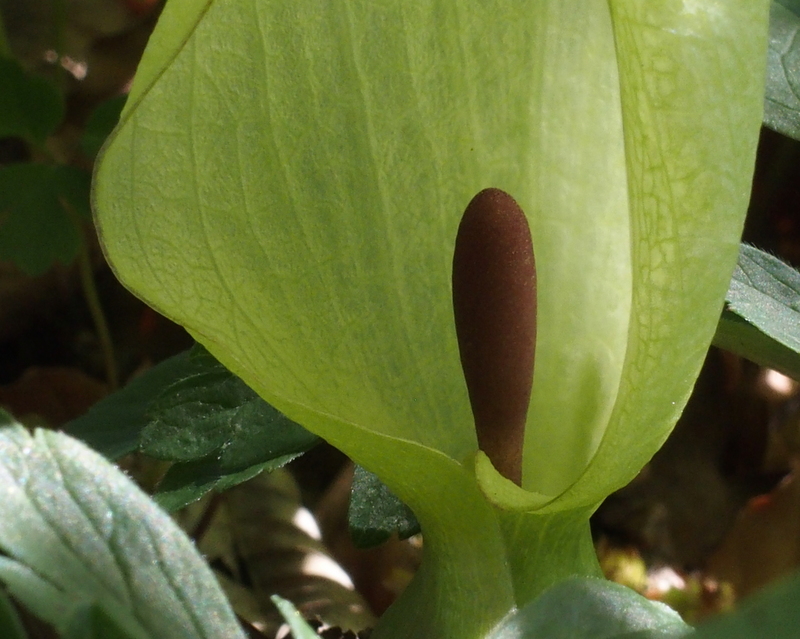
288, 181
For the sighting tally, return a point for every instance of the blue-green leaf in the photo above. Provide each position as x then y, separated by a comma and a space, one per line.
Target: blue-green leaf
75, 531
586, 608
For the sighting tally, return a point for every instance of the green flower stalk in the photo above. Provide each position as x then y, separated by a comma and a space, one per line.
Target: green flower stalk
288, 180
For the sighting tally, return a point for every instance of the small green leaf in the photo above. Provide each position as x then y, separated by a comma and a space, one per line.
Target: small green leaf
100, 124
186, 483
189, 408
214, 413
739, 336
766, 292
30, 106
35, 228
773, 613
10, 624
75, 530
587, 608
113, 426
300, 629
782, 100
376, 513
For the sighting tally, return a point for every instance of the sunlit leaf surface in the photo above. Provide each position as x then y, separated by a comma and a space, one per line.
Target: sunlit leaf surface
75, 530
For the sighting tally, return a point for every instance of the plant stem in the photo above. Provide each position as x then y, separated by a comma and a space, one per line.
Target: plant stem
93, 299
98, 317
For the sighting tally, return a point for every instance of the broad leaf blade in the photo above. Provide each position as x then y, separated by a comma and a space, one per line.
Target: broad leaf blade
782, 100
77, 524
592, 609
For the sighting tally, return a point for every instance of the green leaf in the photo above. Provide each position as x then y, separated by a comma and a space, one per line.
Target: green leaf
772, 613
186, 483
190, 408
376, 513
213, 413
35, 228
737, 335
300, 629
782, 100
76, 531
30, 106
592, 609
100, 124
92, 621
10, 623
113, 426
766, 292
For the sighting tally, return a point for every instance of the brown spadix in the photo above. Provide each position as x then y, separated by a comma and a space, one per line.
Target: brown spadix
494, 302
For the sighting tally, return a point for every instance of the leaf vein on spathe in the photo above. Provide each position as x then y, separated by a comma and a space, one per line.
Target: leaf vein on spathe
291, 189
413, 357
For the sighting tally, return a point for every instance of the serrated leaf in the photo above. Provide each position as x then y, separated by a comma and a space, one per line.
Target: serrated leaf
75, 531
300, 629
35, 229
213, 413
10, 624
100, 124
376, 513
250, 438
113, 426
586, 608
30, 106
782, 99
772, 613
766, 293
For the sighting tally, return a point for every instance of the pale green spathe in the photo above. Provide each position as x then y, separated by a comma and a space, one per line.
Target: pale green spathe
287, 182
